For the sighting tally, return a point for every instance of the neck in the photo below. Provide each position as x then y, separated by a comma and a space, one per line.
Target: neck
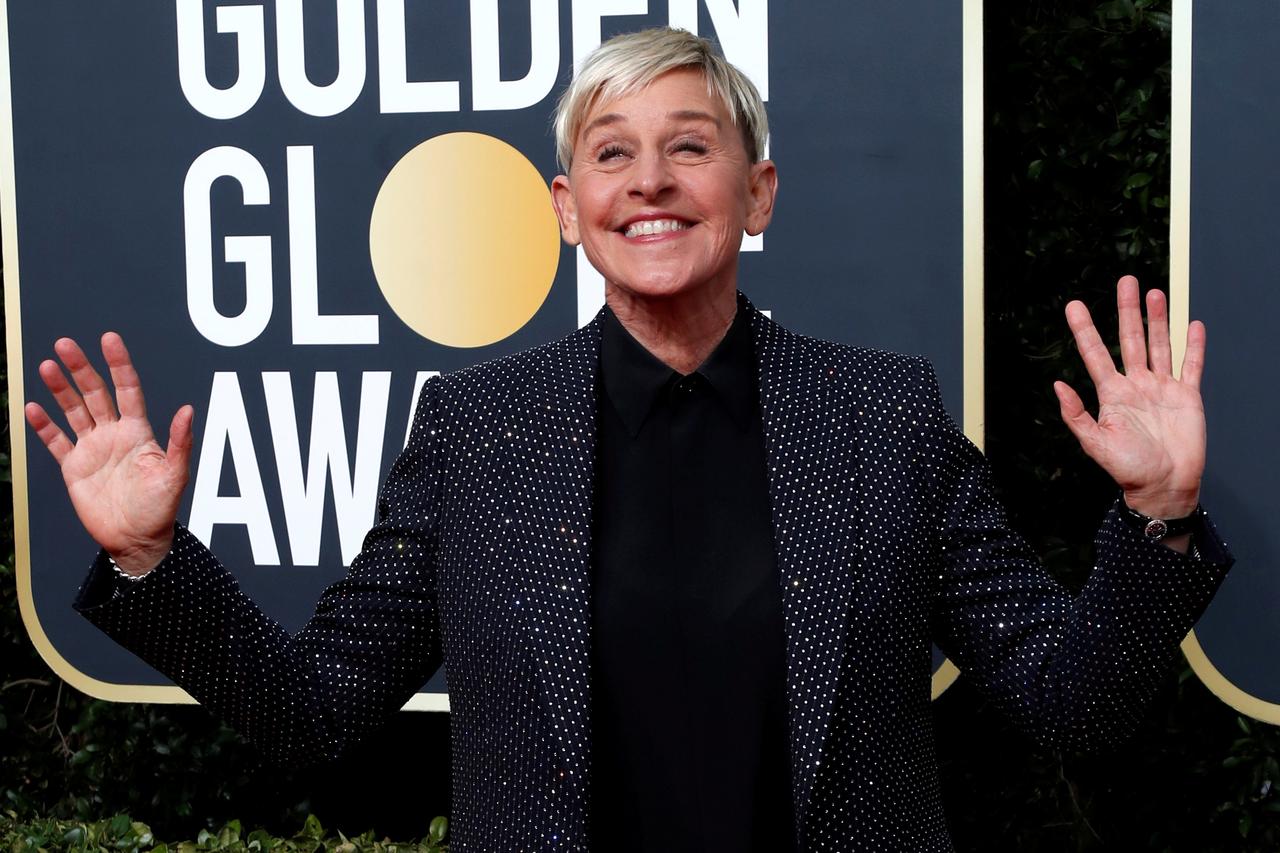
680, 331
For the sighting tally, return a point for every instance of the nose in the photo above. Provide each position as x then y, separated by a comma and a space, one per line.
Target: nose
651, 176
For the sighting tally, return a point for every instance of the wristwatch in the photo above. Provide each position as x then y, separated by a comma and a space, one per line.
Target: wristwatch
1156, 529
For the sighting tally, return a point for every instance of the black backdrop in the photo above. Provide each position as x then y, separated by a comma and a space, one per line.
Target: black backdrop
865, 109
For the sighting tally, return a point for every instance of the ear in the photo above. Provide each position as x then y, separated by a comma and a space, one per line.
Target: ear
762, 189
566, 209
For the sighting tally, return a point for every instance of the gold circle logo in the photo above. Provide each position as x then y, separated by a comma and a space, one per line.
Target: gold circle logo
463, 239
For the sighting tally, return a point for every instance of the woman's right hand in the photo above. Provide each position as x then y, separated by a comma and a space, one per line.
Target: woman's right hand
125, 488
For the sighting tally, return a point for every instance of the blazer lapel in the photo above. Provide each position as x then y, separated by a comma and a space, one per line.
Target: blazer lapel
552, 476
812, 454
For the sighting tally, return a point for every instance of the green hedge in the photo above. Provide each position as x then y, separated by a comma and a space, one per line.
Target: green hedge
120, 834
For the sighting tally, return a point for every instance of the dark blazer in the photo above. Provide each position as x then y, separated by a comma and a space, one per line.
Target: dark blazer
887, 536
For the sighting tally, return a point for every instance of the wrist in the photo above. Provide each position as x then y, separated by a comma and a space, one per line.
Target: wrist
138, 561
1165, 505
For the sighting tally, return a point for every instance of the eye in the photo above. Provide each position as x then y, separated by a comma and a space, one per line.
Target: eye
609, 152
693, 146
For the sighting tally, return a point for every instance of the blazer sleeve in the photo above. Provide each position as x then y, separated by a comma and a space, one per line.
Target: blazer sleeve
1071, 671
373, 640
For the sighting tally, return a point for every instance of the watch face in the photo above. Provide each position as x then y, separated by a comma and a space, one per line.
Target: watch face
1156, 529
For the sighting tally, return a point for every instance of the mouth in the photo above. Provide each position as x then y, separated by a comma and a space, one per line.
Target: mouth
654, 227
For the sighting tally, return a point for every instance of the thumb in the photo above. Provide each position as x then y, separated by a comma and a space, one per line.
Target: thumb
178, 453
1076, 417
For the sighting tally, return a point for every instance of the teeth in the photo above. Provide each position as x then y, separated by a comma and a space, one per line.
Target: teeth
655, 226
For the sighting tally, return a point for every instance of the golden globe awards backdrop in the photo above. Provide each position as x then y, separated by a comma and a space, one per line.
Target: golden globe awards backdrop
296, 212
1225, 267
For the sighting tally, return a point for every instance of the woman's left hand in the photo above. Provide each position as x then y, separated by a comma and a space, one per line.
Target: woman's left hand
1150, 431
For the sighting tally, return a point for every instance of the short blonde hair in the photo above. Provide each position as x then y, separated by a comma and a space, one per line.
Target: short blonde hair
629, 62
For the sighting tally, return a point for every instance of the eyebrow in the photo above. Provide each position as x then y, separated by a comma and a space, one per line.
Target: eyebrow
607, 118
694, 115
679, 115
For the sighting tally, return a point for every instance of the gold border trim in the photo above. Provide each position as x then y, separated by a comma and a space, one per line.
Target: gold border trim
1180, 312
1180, 182
944, 677
974, 246
1223, 688
974, 234
427, 702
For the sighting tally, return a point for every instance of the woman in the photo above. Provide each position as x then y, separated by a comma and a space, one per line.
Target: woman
776, 526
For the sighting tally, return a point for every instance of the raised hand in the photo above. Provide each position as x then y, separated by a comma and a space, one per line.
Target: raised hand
1150, 431
125, 488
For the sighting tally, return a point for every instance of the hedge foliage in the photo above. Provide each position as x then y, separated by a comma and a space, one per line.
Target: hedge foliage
1077, 193
120, 834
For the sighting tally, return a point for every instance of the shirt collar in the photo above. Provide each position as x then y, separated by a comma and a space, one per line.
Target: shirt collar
633, 378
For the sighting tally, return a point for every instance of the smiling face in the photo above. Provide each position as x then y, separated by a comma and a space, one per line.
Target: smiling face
660, 190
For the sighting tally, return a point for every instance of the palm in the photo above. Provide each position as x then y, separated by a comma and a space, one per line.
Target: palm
120, 485
125, 488
1150, 431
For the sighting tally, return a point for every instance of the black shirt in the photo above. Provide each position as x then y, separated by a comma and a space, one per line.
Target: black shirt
689, 732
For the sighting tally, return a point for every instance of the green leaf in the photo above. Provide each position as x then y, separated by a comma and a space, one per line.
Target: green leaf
1139, 179
439, 828
260, 835
312, 828
1116, 10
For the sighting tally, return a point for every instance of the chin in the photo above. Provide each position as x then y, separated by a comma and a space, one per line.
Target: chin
664, 287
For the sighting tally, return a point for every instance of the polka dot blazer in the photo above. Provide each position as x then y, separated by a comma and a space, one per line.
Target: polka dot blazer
887, 536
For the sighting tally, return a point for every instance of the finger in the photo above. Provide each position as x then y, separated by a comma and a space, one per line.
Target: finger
1133, 341
96, 396
178, 453
124, 377
1076, 417
1158, 349
1096, 356
52, 437
1193, 359
71, 403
